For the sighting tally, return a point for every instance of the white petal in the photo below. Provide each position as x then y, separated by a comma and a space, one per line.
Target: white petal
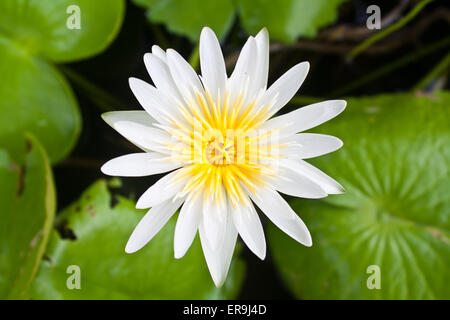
161, 76
293, 183
187, 225
139, 165
214, 220
165, 188
282, 90
219, 260
212, 63
151, 100
262, 59
141, 117
151, 223
243, 74
307, 117
145, 137
160, 53
281, 214
187, 79
327, 183
249, 226
310, 145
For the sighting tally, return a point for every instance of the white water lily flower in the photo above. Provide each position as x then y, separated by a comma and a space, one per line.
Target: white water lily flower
224, 150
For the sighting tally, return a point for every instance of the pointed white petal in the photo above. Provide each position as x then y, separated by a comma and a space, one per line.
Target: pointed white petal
151, 100
228, 249
243, 75
310, 145
138, 165
281, 214
141, 117
307, 117
282, 90
327, 183
262, 59
249, 226
187, 225
145, 137
219, 260
245, 60
151, 223
214, 220
161, 76
165, 188
160, 53
293, 183
212, 64
187, 79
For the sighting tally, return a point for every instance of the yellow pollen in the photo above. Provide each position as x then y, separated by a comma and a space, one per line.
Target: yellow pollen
219, 140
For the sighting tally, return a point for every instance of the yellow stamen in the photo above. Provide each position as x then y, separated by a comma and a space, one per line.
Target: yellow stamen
226, 164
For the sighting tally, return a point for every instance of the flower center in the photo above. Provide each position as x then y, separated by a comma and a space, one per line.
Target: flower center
220, 153
223, 149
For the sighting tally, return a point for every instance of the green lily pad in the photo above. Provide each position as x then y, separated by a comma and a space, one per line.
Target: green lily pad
188, 17
35, 96
107, 272
288, 19
388, 236
27, 202
41, 26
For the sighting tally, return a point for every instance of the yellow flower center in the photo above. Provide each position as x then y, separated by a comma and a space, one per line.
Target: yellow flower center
220, 143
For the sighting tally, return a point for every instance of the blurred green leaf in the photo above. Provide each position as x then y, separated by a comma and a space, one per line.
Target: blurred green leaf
107, 272
288, 19
40, 26
27, 202
35, 96
395, 213
188, 17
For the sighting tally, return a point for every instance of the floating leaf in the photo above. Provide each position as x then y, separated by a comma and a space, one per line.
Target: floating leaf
107, 272
27, 202
395, 215
188, 17
40, 27
288, 19
35, 96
